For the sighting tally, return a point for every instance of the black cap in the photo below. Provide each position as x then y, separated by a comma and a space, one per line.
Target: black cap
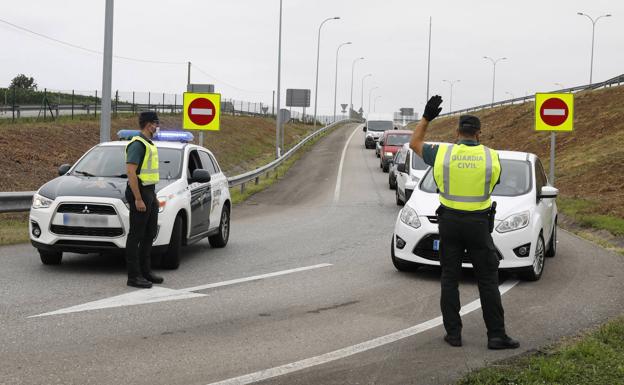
148, 117
469, 123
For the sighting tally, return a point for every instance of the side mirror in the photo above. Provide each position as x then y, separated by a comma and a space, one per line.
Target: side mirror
62, 170
364, 128
548, 192
381, 142
401, 167
201, 176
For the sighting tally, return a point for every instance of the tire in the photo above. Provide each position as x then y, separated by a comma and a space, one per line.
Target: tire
377, 154
221, 239
391, 186
534, 273
171, 258
399, 202
50, 257
385, 168
552, 248
400, 264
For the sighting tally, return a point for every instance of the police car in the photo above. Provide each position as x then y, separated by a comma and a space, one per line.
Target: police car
525, 226
84, 210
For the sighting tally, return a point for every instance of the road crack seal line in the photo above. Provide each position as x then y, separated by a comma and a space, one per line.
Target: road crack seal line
355, 349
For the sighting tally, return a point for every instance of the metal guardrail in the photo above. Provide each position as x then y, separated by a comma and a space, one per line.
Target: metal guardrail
22, 200
618, 80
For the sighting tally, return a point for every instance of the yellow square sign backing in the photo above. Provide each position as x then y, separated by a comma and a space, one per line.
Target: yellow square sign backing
554, 112
201, 111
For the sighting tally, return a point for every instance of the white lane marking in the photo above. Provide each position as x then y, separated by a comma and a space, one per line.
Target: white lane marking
342, 158
554, 112
257, 277
201, 111
351, 350
162, 294
155, 294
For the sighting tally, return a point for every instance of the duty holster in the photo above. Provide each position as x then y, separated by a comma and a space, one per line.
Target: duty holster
491, 215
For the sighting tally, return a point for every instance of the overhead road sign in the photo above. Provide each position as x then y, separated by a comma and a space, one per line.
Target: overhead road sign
297, 98
202, 111
407, 111
554, 112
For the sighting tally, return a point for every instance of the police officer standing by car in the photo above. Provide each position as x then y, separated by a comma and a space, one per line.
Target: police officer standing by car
465, 174
142, 171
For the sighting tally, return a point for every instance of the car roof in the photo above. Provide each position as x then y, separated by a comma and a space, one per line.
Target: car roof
158, 143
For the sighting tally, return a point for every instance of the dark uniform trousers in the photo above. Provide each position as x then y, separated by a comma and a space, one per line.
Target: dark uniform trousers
459, 231
143, 227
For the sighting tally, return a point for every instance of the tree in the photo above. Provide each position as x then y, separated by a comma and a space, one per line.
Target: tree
22, 81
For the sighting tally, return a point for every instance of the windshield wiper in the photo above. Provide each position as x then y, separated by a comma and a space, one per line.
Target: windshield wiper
84, 173
117, 176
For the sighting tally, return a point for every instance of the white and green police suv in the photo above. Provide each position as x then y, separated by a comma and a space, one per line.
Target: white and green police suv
84, 210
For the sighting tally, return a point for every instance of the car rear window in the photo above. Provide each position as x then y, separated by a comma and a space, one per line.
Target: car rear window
397, 139
515, 179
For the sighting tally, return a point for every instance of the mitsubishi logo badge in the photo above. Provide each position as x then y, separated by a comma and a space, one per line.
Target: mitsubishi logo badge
86, 210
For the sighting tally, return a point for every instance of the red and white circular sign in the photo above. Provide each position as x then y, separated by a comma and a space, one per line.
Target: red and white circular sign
554, 112
201, 111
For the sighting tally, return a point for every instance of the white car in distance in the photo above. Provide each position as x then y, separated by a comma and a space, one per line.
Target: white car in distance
409, 170
525, 228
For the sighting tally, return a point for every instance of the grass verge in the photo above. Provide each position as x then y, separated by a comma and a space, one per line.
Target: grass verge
13, 228
583, 211
595, 357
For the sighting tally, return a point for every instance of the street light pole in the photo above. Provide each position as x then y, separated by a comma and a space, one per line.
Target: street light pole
369, 97
362, 101
107, 73
336, 77
375, 103
451, 83
494, 62
278, 120
352, 71
318, 55
591, 64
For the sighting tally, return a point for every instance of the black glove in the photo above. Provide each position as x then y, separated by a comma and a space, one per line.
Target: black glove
432, 109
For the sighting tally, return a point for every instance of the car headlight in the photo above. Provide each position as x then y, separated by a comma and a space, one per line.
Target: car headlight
514, 222
41, 202
388, 154
162, 202
410, 217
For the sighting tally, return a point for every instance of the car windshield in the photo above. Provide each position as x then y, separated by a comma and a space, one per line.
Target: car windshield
418, 163
379, 125
398, 140
515, 179
110, 161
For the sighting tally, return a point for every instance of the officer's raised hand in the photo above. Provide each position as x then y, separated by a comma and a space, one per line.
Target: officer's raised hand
433, 109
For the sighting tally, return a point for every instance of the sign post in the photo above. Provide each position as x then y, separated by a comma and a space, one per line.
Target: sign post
554, 112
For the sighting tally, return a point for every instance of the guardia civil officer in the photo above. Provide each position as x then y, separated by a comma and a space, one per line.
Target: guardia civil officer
465, 174
142, 171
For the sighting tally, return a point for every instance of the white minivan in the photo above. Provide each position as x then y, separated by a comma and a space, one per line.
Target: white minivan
375, 126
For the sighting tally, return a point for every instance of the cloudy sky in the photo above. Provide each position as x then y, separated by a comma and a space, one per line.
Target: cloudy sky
233, 44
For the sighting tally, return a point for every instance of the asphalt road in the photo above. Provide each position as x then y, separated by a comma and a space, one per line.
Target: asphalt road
349, 318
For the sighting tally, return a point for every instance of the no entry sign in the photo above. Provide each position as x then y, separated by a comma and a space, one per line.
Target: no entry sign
554, 112
201, 111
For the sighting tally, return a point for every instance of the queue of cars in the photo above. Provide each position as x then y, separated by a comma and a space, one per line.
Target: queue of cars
84, 209
525, 229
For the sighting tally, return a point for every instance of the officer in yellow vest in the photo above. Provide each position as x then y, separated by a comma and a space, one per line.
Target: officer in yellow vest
465, 173
142, 171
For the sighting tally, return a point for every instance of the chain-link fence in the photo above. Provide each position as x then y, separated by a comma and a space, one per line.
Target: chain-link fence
16, 104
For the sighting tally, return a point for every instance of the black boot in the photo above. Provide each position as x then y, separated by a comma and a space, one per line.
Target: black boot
504, 342
146, 271
139, 282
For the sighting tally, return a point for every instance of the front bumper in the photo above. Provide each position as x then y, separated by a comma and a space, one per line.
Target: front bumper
419, 242
66, 232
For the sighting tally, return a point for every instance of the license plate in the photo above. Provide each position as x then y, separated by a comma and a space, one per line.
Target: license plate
85, 220
436, 245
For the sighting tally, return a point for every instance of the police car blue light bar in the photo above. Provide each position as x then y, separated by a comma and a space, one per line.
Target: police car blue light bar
165, 136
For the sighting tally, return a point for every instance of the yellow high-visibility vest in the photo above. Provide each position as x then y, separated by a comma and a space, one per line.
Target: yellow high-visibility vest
466, 176
149, 174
